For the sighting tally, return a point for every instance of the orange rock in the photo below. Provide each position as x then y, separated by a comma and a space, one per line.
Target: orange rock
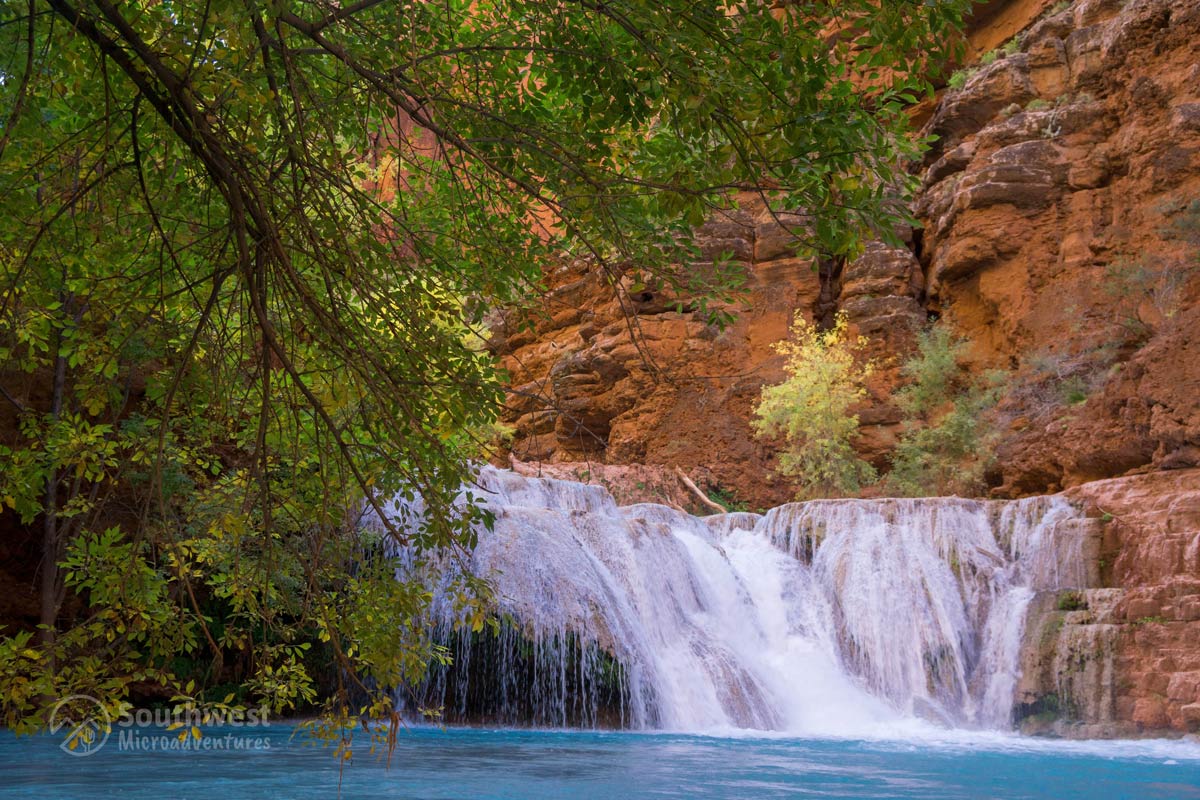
1056, 165
1151, 712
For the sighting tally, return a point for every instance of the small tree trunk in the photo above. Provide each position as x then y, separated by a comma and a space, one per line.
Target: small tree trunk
50, 531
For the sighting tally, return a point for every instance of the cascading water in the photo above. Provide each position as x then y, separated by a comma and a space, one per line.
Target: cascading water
828, 617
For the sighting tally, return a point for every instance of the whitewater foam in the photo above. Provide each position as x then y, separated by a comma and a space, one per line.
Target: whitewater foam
828, 618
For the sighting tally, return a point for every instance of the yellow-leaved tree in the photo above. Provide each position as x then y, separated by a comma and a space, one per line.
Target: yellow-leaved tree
810, 409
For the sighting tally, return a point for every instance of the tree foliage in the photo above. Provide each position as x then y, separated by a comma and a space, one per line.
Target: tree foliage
948, 441
244, 247
811, 410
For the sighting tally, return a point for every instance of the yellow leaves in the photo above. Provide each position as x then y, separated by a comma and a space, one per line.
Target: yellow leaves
848, 183
186, 731
225, 526
811, 409
95, 404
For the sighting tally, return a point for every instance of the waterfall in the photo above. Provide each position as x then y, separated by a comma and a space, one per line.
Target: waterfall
829, 617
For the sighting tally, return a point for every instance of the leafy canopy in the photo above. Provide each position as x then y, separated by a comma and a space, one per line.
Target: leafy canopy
245, 247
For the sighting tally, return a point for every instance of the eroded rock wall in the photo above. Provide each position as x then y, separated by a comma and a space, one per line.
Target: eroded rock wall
1064, 159
1122, 657
1053, 206
593, 380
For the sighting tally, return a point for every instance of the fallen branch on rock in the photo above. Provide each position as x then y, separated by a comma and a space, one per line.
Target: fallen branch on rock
694, 489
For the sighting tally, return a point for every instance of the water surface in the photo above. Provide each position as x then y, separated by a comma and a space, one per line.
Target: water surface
457, 764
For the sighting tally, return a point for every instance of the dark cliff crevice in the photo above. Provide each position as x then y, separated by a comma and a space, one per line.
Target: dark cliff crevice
829, 278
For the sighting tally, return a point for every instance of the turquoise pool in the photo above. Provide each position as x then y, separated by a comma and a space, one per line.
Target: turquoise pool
527, 765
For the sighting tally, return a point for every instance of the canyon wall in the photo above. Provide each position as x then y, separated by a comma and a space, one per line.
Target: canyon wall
1059, 233
1054, 235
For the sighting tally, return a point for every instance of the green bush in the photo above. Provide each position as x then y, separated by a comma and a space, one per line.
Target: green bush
727, 499
810, 409
947, 441
959, 78
1072, 600
1075, 390
931, 372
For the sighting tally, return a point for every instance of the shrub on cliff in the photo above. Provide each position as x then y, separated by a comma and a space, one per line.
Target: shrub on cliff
947, 441
810, 410
1146, 292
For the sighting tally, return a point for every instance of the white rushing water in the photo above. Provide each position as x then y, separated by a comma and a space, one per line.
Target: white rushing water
833, 617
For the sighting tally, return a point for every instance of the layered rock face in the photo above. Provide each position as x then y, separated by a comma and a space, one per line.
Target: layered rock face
595, 379
1054, 238
1122, 658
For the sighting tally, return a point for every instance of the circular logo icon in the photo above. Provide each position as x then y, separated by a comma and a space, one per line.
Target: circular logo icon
82, 722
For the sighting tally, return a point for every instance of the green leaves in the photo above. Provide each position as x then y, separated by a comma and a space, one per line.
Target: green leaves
70, 445
252, 250
948, 439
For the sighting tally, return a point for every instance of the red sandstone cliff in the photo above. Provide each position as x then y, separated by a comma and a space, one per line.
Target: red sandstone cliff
1054, 235
1046, 207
